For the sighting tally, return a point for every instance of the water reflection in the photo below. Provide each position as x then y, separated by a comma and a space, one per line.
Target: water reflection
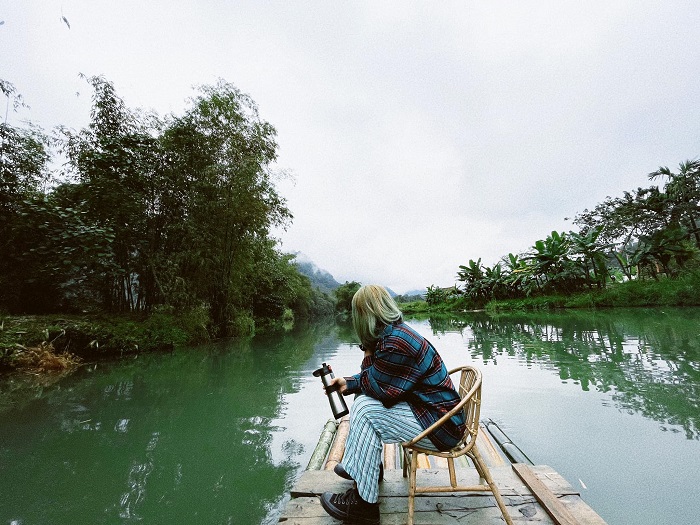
218, 434
648, 359
178, 438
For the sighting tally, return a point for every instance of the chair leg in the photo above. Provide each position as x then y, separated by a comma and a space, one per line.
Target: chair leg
451, 468
412, 486
486, 474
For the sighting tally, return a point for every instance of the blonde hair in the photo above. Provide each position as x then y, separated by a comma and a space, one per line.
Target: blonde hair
372, 310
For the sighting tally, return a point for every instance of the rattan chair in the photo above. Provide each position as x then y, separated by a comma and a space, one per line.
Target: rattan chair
470, 392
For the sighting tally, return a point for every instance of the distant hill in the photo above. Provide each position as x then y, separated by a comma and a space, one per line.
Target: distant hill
319, 278
323, 279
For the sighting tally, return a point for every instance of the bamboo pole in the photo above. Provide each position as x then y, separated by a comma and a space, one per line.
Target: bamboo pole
338, 447
463, 461
491, 456
423, 461
324, 443
389, 456
509, 448
440, 462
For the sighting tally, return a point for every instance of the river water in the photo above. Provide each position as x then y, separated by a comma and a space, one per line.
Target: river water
218, 434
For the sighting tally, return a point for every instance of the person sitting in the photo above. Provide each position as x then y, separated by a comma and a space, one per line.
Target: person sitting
402, 388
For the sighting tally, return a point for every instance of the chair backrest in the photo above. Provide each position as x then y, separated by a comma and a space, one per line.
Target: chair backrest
469, 390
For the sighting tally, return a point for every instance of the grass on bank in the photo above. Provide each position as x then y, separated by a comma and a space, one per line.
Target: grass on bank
44, 359
683, 291
43, 342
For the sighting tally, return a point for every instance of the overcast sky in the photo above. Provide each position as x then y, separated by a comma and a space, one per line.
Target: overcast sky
418, 135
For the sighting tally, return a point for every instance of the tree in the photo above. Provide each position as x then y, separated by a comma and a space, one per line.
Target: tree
624, 219
152, 211
279, 287
115, 161
218, 156
190, 200
683, 192
343, 297
24, 155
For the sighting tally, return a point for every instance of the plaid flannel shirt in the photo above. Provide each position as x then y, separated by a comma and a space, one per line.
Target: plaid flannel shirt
406, 367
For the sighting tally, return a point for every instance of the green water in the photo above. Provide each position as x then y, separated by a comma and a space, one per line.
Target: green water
217, 434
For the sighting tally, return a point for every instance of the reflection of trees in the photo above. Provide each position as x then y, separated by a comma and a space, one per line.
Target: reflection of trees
649, 359
173, 438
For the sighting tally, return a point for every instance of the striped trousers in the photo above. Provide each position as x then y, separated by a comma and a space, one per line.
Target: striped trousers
371, 425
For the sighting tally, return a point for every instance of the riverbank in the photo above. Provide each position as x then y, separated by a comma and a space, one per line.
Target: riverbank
54, 342
683, 291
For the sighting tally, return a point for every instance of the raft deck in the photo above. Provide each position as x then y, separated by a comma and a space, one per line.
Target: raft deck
533, 493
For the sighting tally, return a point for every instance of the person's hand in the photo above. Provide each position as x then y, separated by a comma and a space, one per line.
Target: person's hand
341, 382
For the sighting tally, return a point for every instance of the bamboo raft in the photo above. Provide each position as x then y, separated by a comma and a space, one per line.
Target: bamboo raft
533, 493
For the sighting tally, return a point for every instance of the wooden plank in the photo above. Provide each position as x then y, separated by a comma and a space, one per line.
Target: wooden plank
316, 482
459, 508
556, 509
433, 510
553, 480
464, 462
583, 512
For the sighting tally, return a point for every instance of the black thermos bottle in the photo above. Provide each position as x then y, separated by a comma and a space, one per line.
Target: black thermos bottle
335, 398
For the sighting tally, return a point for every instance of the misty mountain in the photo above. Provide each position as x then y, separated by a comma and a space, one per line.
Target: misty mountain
319, 278
412, 293
323, 279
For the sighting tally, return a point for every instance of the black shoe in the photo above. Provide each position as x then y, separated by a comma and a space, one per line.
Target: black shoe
338, 469
350, 507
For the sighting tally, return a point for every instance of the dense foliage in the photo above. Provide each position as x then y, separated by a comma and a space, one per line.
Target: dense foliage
648, 234
149, 212
343, 298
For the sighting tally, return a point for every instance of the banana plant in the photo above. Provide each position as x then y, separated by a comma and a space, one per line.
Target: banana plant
549, 254
472, 275
624, 261
593, 254
664, 246
518, 276
494, 284
552, 265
